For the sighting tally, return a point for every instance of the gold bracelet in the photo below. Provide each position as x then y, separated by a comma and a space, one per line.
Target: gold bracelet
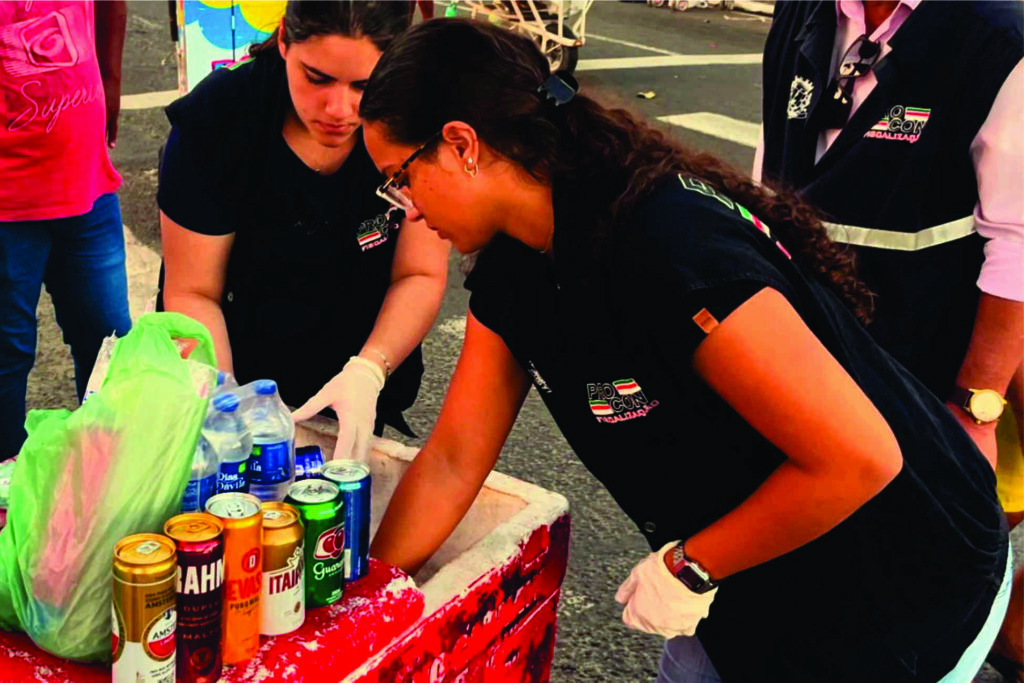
384, 359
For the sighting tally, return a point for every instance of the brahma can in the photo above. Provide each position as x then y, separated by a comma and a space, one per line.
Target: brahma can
144, 616
242, 517
353, 478
321, 507
283, 603
200, 540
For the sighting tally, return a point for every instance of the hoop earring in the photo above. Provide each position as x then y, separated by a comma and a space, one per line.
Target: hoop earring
470, 168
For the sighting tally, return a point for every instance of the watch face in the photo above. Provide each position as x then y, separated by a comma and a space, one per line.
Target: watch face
986, 405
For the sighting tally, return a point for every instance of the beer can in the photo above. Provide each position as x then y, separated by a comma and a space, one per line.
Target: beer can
353, 478
283, 603
320, 505
309, 460
242, 518
144, 616
199, 538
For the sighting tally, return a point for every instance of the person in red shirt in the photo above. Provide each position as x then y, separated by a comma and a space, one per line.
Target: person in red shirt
60, 220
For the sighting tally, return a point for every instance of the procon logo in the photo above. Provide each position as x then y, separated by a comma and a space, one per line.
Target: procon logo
331, 544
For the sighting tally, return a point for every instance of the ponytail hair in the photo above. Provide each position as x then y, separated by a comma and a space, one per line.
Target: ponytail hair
461, 70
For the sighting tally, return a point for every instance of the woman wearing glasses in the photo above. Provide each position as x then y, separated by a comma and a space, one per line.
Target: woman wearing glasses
273, 235
820, 515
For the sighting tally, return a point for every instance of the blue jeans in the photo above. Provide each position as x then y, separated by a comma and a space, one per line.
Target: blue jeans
81, 260
684, 659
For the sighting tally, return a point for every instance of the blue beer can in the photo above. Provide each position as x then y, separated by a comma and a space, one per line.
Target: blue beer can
353, 478
309, 462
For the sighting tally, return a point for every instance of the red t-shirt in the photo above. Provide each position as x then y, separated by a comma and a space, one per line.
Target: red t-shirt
53, 155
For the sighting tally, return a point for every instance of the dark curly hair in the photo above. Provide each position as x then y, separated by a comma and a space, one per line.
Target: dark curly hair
379, 20
461, 70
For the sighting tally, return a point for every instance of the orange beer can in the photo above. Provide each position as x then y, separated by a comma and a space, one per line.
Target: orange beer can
242, 517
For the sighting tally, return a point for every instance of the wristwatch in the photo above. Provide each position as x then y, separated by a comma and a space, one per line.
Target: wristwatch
693, 576
984, 405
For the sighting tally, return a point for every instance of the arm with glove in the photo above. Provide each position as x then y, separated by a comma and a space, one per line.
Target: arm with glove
764, 361
418, 278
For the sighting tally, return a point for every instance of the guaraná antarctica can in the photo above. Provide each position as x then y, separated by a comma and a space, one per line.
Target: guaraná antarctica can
242, 517
144, 616
309, 461
353, 478
200, 540
283, 603
320, 505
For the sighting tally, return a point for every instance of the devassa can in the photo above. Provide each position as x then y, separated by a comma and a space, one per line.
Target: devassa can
144, 615
242, 517
199, 538
283, 603
309, 461
321, 507
353, 478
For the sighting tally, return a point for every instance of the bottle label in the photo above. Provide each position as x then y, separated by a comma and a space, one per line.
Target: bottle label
233, 476
270, 463
198, 492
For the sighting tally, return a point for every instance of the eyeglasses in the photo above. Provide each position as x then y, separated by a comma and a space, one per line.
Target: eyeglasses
857, 61
391, 191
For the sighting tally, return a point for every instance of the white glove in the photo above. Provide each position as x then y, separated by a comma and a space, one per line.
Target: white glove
657, 602
352, 393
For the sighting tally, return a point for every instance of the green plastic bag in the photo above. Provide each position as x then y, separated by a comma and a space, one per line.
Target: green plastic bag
118, 465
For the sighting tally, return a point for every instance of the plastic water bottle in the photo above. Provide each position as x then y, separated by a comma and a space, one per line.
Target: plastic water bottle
203, 482
229, 444
272, 464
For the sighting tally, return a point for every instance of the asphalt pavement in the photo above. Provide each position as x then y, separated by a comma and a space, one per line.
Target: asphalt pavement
703, 66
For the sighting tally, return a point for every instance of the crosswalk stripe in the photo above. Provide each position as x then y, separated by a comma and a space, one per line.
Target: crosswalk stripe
627, 43
148, 100
666, 60
717, 125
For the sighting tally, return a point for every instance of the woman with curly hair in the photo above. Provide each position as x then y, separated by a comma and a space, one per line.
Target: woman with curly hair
820, 515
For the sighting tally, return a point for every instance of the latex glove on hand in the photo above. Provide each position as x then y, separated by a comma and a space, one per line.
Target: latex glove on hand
657, 602
352, 393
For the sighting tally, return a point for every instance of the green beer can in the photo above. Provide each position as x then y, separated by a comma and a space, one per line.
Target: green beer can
321, 507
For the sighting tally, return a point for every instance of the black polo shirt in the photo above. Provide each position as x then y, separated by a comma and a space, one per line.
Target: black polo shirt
311, 261
895, 592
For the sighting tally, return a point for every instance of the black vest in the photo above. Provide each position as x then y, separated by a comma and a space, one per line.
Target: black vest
898, 182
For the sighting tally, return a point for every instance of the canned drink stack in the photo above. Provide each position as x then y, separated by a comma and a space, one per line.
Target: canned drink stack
199, 538
320, 504
144, 616
283, 603
353, 478
242, 518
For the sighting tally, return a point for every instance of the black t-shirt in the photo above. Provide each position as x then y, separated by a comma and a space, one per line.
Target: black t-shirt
893, 593
311, 260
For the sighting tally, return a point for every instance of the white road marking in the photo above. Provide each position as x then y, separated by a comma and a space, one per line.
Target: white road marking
667, 60
606, 39
148, 100
717, 125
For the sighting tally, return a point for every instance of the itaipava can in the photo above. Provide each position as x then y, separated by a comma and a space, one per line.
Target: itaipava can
200, 540
144, 615
242, 517
283, 603
353, 478
309, 461
320, 505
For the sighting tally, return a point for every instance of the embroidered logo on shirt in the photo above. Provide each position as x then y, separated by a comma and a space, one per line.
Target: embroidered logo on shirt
618, 401
901, 123
695, 185
374, 232
800, 91
538, 381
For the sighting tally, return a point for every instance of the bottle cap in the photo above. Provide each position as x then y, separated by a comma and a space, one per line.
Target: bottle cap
226, 403
265, 387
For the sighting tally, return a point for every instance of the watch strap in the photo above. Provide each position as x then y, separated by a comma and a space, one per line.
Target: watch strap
689, 572
961, 397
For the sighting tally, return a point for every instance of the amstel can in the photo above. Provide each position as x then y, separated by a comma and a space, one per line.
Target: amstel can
320, 505
242, 517
200, 540
353, 478
309, 461
144, 617
283, 603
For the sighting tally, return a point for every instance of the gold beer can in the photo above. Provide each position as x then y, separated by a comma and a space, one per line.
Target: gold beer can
144, 615
283, 603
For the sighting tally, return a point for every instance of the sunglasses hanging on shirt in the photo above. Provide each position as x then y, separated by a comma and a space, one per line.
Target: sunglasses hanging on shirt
858, 60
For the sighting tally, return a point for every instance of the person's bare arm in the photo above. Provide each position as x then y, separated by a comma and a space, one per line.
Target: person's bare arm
111, 19
483, 400
195, 268
765, 362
